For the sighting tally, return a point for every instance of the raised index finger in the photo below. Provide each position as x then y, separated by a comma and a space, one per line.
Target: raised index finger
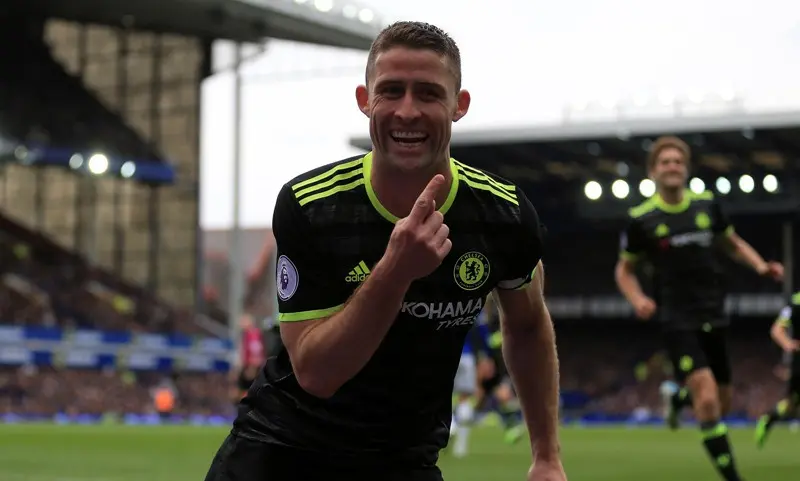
425, 202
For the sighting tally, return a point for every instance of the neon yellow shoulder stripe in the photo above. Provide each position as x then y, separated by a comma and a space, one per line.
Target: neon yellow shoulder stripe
477, 174
328, 183
479, 180
488, 187
327, 173
331, 191
322, 185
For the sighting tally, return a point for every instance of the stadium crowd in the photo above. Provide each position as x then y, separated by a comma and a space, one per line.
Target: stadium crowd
47, 391
604, 375
43, 283
613, 369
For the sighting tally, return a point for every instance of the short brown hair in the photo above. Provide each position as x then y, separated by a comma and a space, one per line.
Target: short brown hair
668, 142
417, 36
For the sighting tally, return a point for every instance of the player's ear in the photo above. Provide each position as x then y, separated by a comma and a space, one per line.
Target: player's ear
362, 97
463, 100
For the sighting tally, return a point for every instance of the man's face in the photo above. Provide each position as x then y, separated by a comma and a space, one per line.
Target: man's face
670, 169
411, 103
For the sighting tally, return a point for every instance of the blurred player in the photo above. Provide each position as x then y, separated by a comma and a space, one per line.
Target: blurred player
165, 397
784, 336
783, 371
369, 272
252, 357
677, 232
465, 386
497, 390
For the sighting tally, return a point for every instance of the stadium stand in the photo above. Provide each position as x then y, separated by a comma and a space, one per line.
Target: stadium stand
99, 236
600, 381
78, 294
42, 105
44, 392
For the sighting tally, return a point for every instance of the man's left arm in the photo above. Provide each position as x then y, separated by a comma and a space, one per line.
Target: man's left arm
529, 349
739, 249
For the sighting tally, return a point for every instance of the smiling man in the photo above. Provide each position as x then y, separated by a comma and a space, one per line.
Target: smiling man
677, 232
377, 293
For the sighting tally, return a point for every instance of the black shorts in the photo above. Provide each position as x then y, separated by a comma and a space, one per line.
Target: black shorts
690, 350
240, 459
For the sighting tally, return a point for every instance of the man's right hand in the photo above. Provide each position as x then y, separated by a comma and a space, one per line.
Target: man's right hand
644, 307
419, 243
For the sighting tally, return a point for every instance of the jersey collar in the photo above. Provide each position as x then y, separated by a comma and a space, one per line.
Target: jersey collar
373, 198
673, 208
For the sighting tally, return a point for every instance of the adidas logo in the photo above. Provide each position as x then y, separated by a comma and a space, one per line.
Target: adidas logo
358, 274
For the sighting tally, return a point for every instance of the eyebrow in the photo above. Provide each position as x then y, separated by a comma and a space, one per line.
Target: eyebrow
415, 83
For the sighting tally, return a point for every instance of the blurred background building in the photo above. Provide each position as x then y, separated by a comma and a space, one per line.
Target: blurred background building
108, 282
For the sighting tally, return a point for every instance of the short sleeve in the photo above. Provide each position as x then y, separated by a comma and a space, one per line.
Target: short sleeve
528, 248
306, 288
633, 242
720, 224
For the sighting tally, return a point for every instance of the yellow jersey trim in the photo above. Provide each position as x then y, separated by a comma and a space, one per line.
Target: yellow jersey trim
373, 197
309, 315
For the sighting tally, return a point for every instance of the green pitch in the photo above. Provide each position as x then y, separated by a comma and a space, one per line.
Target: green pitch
121, 453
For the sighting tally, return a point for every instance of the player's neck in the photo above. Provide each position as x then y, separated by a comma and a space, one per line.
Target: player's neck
671, 196
397, 190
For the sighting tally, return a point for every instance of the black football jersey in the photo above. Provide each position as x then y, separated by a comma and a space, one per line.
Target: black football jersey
331, 230
679, 241
785, 316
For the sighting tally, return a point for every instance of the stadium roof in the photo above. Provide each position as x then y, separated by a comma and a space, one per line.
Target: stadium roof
577, 150
238, 20
621, 128
553, 163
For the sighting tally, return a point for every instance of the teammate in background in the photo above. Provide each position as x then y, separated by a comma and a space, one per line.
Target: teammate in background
784, 336
783, 371
465, 386
252, 357
344, 400
497, 389
677, 232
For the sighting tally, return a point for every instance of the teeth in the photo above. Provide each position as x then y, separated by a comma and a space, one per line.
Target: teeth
408, 135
